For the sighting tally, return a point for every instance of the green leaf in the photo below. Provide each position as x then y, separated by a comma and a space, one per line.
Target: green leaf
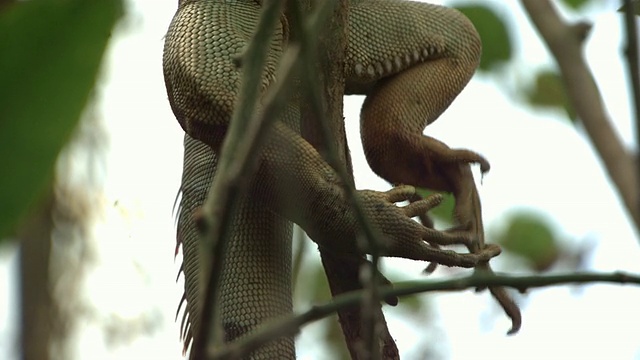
444, 211
51, 53
415, 304
548, 92
575, 4
496, 43
531, 238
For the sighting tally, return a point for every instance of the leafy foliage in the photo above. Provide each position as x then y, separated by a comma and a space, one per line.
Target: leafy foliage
52, 52
530, 237
575, 4
444, 211
548, 92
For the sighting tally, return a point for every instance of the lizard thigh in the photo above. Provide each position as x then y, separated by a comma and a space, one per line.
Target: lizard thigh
202, 63
393, 119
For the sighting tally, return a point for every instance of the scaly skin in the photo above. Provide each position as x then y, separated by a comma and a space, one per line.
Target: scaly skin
411, 60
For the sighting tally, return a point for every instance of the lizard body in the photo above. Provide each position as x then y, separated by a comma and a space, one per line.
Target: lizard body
411, 60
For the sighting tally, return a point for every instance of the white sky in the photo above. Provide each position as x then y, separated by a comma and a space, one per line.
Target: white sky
538, 162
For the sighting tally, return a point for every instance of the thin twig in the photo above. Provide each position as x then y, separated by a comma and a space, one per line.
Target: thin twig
291, 325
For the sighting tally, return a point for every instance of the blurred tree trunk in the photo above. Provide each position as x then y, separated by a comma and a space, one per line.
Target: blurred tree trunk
37, 313
55, 247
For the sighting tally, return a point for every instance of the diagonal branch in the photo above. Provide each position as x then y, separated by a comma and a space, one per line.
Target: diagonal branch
565, 43
632, 66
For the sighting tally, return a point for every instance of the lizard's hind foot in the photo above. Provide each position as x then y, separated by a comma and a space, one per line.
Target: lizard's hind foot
422, 161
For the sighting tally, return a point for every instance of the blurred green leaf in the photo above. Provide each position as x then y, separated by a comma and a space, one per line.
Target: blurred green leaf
575, 4
531, 238
317, 288
549, 92
444, 211
414, 304
334, 339
51, 53
496, 43
314, 288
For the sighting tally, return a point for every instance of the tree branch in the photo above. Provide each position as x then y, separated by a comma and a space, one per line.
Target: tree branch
632, 66
565, 43
290, 326
323, 127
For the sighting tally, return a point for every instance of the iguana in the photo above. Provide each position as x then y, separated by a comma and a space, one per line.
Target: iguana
411, 60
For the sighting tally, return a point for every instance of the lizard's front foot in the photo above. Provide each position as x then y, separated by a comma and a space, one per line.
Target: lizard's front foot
408, 239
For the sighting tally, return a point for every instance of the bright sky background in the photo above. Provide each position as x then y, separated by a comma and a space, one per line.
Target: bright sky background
538, 162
